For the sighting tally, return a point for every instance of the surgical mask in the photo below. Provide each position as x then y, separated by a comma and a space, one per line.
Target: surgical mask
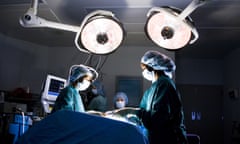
81, 86
120, 104
149, 75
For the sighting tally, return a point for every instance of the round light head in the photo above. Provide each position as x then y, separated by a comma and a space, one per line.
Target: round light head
101, 34
165, 29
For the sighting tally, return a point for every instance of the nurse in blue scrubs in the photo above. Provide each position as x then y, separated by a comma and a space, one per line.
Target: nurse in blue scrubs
80, 79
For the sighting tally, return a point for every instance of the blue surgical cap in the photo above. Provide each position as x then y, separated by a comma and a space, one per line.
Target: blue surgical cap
78, 71
122, 95
158, 61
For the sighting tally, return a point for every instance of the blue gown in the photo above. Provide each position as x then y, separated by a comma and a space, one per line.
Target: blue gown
162, 113
69, 99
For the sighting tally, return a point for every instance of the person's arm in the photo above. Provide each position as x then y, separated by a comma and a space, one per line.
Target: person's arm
143, 114
176, 107
125, 111
158, 114
68, 103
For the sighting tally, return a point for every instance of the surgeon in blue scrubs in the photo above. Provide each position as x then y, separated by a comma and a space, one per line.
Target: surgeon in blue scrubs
161, 108
80, 79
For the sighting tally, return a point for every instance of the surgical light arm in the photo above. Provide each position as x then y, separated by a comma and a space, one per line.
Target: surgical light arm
31, 20
190, 8
187, 11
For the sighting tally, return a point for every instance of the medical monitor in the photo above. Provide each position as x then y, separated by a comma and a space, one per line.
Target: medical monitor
52, 87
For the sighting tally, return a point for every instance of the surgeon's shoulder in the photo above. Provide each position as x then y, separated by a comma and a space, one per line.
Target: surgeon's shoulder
68, 90
164, 81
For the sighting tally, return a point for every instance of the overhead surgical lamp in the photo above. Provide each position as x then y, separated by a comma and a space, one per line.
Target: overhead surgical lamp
171, 28
99, 33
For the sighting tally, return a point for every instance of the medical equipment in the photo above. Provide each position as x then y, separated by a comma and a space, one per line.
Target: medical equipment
52, 88
19, 126
99, 33
171, 28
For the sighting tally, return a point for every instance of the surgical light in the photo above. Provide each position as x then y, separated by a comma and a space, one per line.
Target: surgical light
101, 33
171, 28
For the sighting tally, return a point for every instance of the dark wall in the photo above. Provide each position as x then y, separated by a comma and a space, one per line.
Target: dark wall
203, 108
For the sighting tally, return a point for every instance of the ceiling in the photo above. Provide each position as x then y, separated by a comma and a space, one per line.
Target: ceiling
217, 22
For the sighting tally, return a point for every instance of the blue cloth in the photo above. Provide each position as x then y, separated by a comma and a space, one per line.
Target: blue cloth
69, 99
68, 127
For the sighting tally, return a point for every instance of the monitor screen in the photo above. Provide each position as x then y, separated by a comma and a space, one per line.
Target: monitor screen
55, 87
52, 87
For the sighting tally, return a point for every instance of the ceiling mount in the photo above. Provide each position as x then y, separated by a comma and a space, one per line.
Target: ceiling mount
99, 33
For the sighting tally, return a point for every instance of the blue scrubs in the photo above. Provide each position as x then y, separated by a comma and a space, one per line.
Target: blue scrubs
69, 99
98, 103
162, 114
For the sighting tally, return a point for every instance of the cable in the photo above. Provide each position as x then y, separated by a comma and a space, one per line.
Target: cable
89, 57
23, 119
23, 123
99, 61
103, 63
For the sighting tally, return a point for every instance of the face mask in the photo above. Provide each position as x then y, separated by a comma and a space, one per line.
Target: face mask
120, 104
149, 75
81, 86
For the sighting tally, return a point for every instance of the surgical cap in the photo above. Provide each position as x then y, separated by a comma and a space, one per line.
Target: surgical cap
93, 72
158, 61
78, 71
122, 95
